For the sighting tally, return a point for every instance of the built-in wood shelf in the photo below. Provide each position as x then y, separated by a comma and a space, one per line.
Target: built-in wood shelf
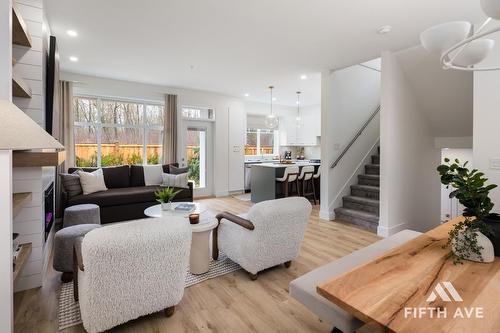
22, 259
19, 87
37, 158
19, 200
20, 34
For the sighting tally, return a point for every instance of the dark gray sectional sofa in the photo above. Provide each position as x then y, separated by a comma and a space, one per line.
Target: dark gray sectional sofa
126, 197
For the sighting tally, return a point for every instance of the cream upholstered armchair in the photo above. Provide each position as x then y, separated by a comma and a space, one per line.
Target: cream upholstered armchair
130, 270
269, 235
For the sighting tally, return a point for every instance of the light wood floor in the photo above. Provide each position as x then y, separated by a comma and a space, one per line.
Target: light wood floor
231, 303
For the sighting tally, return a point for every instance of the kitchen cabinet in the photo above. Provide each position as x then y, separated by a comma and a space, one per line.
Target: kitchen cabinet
307, 134
237, 129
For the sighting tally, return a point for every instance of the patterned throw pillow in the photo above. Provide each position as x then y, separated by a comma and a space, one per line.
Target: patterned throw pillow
175, 180
71, 183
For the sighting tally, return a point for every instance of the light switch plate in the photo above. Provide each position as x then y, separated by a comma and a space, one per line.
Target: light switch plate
495, 163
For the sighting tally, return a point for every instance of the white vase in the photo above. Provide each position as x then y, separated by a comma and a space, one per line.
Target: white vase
487, 252
166, 206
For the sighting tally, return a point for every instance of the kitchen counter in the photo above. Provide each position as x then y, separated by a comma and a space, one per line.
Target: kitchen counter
284, 165
264, 185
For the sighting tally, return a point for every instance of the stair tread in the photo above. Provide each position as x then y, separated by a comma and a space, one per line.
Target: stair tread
367, 201
373, 165
366, 188
368, 176
357, 213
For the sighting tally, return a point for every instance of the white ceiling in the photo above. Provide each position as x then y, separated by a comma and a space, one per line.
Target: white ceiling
239, 46
446, 96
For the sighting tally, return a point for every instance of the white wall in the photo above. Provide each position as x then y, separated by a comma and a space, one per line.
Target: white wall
30, 65
348, 98
186, 97
450, 208
6, 307
409, 186
458, 142
487, 119
263, 109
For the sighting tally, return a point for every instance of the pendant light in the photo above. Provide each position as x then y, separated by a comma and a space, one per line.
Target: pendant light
271, 120
459, 45
298, 119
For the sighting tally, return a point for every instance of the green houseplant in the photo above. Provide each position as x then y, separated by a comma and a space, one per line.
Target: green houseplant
165, 196
470, 188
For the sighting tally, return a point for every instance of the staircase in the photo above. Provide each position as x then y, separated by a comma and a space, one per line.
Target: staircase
362, 206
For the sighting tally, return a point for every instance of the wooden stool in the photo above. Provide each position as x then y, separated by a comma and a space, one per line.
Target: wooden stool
290, 177
317, 182
307, 181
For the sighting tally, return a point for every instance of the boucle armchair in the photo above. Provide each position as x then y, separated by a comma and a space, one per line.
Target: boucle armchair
130, 270
269, 235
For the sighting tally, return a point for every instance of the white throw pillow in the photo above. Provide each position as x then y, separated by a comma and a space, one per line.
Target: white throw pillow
92, 181
152, 174
180, 180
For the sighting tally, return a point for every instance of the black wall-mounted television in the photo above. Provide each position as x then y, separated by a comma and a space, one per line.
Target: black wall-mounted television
52, 85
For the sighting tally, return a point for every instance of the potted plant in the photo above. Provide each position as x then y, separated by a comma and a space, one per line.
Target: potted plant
165, 196
467, 238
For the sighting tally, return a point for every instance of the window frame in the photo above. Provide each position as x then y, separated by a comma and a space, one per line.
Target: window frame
258, 132
99, 125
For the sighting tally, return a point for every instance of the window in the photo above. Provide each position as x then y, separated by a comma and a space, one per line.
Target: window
261, 142
112, 132
197, 113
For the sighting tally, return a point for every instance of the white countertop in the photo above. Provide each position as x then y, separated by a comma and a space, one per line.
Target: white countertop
277, 165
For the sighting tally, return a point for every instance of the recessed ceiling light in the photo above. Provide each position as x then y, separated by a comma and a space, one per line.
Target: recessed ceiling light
303, 77
385, 29
73, 58
72, 33
247, 95
274, 99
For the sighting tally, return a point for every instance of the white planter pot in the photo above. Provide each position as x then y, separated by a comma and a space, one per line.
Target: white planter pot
166, 206
487, 252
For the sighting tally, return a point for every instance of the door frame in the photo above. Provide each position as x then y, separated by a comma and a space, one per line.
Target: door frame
208, 190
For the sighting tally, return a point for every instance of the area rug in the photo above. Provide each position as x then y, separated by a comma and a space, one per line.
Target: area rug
69, 311
243, 197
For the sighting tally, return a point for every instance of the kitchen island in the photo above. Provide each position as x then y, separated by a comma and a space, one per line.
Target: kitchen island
264, 185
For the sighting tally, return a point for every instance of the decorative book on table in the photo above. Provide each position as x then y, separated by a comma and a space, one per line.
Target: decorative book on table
185, 207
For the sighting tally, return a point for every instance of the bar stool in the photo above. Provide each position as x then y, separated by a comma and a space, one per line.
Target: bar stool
306, 178
290, 176
317, 182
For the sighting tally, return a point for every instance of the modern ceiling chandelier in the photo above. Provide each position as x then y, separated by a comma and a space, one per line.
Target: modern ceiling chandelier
271, 120
459, 45
298, 119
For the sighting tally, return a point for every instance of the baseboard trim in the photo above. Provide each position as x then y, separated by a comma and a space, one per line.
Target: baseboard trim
383, 231
327, 215
221, 194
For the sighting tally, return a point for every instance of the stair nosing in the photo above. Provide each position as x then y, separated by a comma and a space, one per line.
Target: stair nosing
366, 188
358, 213
369, 176
357, 199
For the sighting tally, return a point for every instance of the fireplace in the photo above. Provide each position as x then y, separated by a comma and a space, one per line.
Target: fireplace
49, 210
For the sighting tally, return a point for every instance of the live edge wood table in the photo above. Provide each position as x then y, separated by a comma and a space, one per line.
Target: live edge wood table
411, 289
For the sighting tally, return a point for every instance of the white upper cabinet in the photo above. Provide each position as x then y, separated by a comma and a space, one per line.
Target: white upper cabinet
305, 135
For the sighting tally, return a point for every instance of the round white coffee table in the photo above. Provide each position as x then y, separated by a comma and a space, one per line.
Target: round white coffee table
156, 211
199, 258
